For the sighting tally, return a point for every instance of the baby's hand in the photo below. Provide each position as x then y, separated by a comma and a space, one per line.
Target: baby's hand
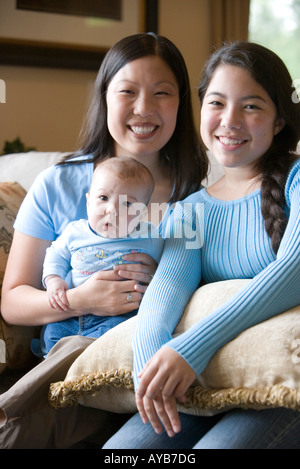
56, 293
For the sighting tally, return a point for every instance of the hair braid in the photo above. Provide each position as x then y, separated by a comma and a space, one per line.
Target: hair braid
273, 200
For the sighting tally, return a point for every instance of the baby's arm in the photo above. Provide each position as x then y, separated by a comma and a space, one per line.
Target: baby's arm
56, 292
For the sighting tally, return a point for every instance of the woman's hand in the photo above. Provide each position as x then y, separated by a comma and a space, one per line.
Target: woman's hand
164, 379
141, 271
107, 292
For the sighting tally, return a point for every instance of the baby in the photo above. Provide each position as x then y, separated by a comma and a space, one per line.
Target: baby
116, 202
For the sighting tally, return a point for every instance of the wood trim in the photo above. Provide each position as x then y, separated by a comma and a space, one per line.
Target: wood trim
98, 8
53, 55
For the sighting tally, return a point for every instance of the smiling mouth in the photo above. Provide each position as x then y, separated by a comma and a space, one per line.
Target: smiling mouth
143, 130
231, 141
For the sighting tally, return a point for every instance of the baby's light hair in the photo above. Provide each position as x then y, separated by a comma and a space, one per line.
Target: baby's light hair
127, 168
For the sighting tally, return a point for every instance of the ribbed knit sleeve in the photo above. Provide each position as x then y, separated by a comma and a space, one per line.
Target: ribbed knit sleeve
177, 277
238, 239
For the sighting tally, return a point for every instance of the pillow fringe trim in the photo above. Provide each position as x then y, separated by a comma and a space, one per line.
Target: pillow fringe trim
199, 398
68, 393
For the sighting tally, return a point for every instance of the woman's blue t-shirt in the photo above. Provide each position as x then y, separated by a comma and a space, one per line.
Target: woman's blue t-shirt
57, 197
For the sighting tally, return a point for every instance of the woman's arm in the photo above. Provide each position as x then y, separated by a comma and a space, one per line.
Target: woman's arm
25, 303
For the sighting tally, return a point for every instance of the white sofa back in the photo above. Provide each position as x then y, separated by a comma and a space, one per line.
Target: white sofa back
24, 167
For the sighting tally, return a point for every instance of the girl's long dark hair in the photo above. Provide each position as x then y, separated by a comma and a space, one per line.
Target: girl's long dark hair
269, 71
182, 158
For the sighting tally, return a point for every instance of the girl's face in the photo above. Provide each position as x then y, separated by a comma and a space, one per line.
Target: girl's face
238, 118
142, 104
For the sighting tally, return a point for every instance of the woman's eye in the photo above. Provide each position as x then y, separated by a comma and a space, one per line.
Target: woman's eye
129, 92
215, 103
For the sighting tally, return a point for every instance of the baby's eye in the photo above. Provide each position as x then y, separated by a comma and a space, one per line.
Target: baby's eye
103, 197
126, 203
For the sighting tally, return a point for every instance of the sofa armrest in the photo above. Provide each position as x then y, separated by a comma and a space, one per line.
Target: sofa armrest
15, 351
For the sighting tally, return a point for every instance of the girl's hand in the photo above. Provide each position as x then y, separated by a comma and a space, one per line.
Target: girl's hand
160, 411
142, 272
165, 378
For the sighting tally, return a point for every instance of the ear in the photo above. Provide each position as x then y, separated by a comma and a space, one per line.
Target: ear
87, 195
279, 124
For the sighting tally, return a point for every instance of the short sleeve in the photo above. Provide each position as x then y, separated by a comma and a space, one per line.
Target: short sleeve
57, 197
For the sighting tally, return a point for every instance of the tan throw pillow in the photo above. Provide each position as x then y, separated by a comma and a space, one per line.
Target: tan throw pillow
14, 340
258, 369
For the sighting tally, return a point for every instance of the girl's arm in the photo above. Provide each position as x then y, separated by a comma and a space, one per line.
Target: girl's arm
177, 277
271, 292
274, 290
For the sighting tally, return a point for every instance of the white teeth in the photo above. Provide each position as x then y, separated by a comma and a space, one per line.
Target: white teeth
230, 141
142, 130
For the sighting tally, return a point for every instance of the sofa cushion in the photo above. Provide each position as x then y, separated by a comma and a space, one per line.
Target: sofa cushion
14, 340
258, 369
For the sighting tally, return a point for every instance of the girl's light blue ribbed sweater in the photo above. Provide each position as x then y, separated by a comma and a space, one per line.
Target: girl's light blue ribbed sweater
235, 245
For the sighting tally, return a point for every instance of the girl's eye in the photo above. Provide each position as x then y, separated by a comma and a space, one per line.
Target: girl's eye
251, 106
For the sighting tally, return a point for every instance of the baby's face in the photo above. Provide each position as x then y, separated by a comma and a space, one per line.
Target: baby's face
114, 205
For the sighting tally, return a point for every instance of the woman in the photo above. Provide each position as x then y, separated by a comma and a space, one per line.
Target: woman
252, 230
141, 107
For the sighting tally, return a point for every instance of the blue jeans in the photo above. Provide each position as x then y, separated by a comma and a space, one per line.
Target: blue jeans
237, 429
88, 326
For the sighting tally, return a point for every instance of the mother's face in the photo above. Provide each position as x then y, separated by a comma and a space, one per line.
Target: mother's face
142, 105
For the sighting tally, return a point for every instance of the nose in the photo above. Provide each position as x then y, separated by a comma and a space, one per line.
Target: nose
231, 119
111, 209
144, 105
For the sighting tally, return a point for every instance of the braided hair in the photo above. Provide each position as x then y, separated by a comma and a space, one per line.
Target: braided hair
270, 72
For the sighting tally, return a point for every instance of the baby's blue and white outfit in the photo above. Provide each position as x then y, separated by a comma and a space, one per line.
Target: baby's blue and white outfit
77, 254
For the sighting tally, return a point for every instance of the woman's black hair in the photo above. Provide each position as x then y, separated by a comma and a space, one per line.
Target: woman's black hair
182, 158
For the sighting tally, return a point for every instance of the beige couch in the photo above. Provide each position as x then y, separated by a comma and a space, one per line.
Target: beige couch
17, 172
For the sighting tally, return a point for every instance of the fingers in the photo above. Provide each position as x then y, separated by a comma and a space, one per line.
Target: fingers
132, 299
142, 277
160, 412
141, 269
59, 301
141, 258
